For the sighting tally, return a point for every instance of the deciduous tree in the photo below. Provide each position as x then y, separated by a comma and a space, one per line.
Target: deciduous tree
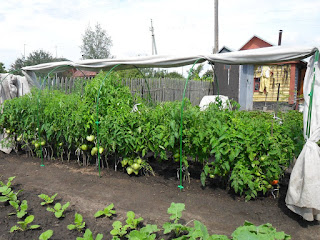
96, 43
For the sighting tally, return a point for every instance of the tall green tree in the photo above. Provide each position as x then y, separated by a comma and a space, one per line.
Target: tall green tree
195, 72
2, 68
96, 43
34, 58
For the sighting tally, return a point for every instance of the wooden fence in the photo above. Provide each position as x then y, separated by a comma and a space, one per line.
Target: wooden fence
161, 89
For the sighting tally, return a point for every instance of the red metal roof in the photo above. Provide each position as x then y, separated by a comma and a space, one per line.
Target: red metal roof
83, 73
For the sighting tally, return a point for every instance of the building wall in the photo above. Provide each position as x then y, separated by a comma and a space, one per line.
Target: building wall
281, 75
246, 73
227, 81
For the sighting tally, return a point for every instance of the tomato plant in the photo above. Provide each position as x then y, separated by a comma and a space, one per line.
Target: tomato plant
244, 150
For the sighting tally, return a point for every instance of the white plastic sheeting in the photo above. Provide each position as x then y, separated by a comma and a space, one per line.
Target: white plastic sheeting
206, 100
254, 56
12, 86
303, 196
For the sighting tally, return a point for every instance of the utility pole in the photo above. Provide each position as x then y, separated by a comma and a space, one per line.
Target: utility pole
154, 48
216, 27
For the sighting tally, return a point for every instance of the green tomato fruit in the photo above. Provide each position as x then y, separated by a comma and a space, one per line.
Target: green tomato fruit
84, 147
139, 160
211, 175
129, 170
94, 151
43, 143
101, 149
136, 166
124, 162
60, 144
36, 145
90, 138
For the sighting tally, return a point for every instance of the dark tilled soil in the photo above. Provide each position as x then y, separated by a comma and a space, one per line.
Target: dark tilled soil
148, 197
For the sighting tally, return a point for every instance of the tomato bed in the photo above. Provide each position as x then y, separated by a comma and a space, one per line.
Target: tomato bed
245, 151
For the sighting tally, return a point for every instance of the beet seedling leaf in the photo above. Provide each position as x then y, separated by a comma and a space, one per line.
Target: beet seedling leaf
108, 211
46, 235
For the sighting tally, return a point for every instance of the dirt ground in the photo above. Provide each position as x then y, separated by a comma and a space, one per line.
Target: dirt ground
148, 196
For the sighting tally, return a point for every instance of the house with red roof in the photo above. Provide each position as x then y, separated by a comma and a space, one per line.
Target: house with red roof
259, 86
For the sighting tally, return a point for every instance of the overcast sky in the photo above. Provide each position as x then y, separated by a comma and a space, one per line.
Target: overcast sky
181, 26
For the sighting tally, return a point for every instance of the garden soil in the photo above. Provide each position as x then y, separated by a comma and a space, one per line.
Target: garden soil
148, 196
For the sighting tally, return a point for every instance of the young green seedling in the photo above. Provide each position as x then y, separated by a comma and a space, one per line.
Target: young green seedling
175, 210
131, 221
58, 210
264, 231
46, 235
8, 194
108, 211
21, 210
6, 191
145, 233
78, 223
47, 200
8, 184
118, 229
23, 225
88, 236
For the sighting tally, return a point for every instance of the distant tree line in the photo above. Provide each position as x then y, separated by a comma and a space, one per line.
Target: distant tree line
96, 44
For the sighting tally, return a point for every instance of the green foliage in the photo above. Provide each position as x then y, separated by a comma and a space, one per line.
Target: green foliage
46, 199
23, 225
89, 236
2, 68
8, 184
175, 211
131, 221
199, 231
46, 235
58, 210
242, 150
108, 211
145, 233
95, 43
118, 229
7, 193
79, 224
177, 228
262, 232
195, 73
34, 58
21, 210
